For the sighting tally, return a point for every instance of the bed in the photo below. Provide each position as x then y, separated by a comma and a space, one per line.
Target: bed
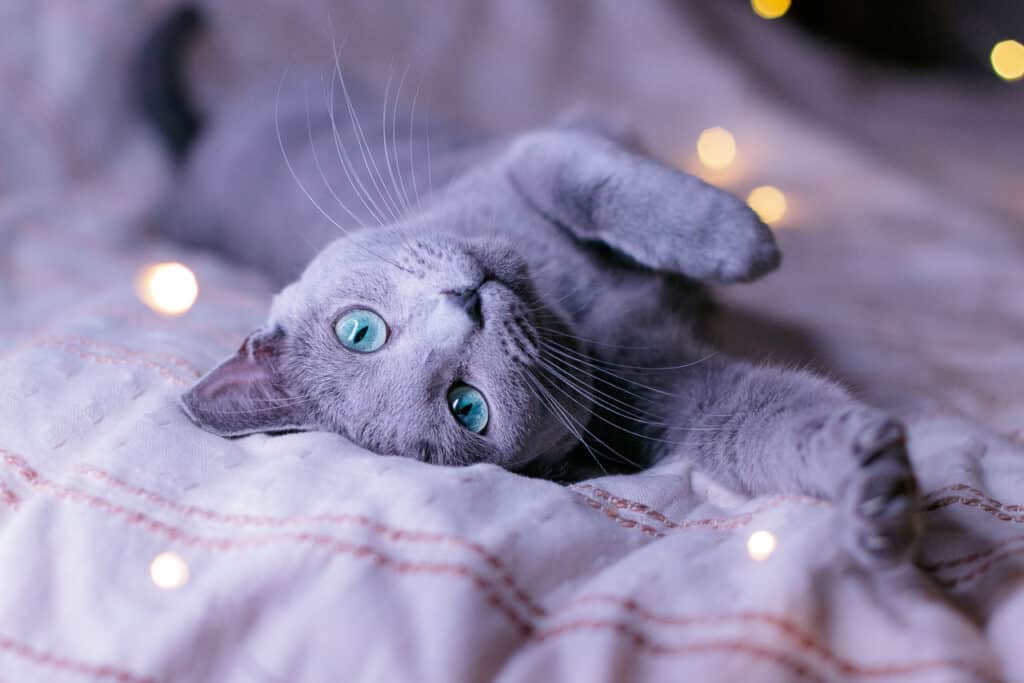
135, 547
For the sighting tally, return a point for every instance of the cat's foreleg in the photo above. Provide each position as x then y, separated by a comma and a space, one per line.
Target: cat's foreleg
767, 430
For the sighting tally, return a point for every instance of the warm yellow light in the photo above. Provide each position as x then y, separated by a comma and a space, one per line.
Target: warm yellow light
716, 148
167, 288
761, 545
768, 202
168, 570
1008, 59
770, 9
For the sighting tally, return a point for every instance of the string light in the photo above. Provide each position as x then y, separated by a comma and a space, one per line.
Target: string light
716, 148
168, 571
167, 288
768, 202
1008, 59
770, 9
761, 545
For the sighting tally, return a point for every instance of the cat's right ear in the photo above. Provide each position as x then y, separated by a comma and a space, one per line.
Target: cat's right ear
247, 393
654, 215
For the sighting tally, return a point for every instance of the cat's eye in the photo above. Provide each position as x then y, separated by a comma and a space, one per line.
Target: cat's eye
361, 330
468, 407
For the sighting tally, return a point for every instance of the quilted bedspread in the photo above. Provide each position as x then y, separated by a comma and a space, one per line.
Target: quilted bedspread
136, 548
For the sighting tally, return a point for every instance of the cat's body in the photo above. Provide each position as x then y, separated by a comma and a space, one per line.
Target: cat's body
557, 272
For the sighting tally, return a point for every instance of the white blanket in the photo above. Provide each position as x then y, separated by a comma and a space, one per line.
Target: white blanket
309, 559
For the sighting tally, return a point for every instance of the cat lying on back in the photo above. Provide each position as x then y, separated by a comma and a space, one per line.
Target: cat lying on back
532, 302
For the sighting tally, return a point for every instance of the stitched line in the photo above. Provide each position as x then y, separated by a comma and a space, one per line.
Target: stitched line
801, 638
25, 651
616, 517
717, 523
328, 543
983, 568
108, 360
372, 525
9, 497
976, 492
641, 641
972, 557
780, 657
34, 479
129, 353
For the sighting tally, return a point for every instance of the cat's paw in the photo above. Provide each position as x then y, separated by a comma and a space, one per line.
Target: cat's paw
879, 499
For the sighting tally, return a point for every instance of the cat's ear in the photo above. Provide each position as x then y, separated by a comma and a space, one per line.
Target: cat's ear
247, 392
655, 215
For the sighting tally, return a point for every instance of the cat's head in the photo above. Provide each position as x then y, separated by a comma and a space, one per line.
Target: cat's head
408, 344
415, 340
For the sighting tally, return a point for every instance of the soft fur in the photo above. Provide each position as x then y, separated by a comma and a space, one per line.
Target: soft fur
586, 261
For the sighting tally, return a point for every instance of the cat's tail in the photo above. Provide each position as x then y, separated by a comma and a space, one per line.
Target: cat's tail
160, 80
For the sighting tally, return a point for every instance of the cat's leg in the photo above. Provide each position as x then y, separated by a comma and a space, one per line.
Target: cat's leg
768, 430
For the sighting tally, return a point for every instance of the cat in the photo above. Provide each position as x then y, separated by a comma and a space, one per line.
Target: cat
533, 301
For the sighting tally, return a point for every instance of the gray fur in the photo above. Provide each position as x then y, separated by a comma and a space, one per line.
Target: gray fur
589, 259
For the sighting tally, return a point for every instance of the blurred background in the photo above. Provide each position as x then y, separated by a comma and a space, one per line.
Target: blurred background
882, 140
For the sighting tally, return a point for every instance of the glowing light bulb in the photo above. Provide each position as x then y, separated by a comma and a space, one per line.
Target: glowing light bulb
716, 148
168, 570
167, 288
1008, 59
761, 545
770, 9
768, 202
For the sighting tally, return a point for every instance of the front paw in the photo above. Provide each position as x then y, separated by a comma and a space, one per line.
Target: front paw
879, 499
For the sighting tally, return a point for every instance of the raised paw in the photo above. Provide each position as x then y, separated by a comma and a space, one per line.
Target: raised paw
878, 498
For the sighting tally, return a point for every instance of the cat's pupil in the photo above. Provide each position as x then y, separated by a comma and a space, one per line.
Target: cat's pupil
360, 333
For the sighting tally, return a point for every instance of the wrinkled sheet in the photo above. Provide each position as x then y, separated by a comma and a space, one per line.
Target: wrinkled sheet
310, 559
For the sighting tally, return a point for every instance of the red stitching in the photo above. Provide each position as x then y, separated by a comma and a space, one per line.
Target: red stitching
9, 497
26, 651
955, 488
643, 642
614, 515
330, 544
174, 360
108, 360
780, 657
717, 523
971, 557
34, 479
983, 568
374, 526
801, 638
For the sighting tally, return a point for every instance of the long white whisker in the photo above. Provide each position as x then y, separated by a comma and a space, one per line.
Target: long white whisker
302, 187
364, 147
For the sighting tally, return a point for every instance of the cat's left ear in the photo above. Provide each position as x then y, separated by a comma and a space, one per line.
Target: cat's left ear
655, 215
247, 393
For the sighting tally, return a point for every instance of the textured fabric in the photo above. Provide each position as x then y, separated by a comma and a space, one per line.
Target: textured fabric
310, 559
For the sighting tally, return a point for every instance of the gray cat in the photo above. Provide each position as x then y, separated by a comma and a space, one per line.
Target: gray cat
533, 302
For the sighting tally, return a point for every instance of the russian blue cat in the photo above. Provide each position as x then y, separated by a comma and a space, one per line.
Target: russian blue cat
532, 301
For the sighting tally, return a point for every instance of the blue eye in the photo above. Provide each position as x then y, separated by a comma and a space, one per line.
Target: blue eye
468, 407
361, 331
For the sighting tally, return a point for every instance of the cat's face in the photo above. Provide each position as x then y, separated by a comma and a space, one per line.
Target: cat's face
408, 343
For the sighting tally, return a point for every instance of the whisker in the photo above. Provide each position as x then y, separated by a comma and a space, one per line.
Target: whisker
302, 187
550, 402
400, 189
364, 147
412, 165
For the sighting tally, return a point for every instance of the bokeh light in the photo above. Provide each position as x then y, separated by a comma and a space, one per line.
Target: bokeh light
770, 9
768, 202
761, 545
716, 148
168, 571
1008, 59
167, 288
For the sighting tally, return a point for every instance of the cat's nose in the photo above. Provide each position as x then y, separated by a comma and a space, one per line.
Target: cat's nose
469, 301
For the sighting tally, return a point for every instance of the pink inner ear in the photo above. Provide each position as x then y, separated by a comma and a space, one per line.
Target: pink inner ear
239, 374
